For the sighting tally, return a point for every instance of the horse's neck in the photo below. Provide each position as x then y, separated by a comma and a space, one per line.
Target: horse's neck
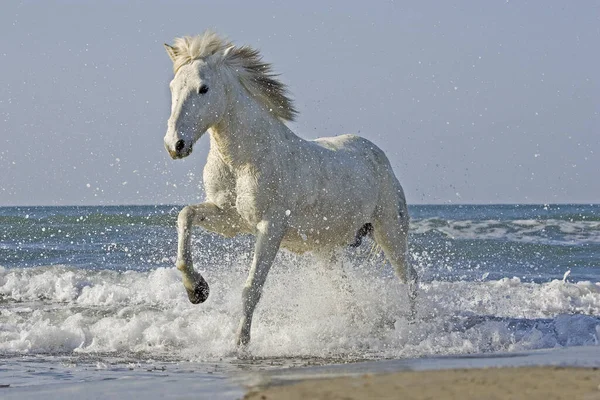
248, 133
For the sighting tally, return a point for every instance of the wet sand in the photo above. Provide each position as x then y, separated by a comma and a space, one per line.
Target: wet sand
485, 383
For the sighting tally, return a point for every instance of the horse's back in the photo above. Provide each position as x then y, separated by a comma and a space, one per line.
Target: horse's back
358, 149
352, 144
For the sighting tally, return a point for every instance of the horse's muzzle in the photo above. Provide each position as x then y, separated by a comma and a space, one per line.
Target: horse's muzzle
177, 154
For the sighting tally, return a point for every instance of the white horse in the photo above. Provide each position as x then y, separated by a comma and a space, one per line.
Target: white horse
262, 179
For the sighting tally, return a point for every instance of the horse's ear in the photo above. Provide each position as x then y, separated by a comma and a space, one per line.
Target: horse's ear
171, 51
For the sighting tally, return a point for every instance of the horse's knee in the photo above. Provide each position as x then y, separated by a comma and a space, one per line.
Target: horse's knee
186, 215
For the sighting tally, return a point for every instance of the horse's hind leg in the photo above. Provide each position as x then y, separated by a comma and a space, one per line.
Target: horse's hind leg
391, 234
226, 222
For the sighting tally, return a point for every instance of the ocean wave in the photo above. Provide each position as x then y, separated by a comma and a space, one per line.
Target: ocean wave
305, 311
543, 231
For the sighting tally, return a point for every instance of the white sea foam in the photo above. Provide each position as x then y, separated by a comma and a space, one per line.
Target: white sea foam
548, 231
303, 312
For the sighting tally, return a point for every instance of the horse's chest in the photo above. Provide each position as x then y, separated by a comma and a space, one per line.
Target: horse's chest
241, 189
252, 197
219, 183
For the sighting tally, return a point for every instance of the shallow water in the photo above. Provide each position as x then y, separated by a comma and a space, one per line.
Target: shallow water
95, 286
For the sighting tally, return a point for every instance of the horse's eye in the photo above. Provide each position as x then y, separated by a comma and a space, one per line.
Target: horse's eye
203, 89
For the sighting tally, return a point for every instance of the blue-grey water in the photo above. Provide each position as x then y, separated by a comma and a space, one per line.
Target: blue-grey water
89, 284
454, 241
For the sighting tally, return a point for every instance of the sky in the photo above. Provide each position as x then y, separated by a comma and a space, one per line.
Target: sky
473, 101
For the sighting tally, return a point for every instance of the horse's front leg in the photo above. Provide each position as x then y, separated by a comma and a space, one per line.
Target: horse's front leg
268, 238
226, 222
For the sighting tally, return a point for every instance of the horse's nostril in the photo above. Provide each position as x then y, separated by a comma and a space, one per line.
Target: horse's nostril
179, 145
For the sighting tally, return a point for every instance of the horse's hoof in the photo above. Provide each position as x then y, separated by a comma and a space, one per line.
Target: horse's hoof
199, 294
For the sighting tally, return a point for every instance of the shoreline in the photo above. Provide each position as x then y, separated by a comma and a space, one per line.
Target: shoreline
542, 382
571, 372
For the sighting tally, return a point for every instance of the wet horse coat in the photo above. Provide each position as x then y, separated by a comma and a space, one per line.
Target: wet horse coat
260, 178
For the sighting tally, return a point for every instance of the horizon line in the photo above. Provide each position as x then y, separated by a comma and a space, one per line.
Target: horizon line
409, 204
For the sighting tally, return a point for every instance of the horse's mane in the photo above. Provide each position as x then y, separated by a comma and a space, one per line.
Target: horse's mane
245, 62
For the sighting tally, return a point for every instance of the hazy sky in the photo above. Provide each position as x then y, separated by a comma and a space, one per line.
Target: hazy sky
473, 101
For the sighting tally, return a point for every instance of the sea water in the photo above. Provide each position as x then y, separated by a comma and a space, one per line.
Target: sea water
95, 289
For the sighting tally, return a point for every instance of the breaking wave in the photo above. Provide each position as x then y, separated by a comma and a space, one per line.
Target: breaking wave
306, 311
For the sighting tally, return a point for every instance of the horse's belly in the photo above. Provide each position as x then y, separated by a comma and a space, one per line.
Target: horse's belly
300, 242
338, 231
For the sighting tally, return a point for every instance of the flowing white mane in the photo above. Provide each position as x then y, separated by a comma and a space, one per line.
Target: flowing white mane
245, 62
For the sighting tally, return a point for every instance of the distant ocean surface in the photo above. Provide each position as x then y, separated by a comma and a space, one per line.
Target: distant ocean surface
85, 281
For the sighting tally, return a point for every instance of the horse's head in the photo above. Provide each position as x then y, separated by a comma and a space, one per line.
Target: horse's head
198, 101
207, 72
